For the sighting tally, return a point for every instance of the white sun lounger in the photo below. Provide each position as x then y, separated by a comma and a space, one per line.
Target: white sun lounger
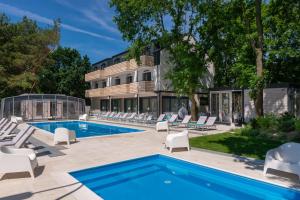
8, 133
185, 121
201, 121
17, 160
21, 137
4, 122
173, 118
6, 126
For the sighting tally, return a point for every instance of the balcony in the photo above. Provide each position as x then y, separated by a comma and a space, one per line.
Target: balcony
119, 90
118, 68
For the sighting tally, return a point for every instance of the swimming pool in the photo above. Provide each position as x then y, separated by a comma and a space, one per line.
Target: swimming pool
84, 129
160, 177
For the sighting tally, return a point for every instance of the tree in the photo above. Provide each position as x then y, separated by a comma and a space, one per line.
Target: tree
24, 48
65, 74
173, 25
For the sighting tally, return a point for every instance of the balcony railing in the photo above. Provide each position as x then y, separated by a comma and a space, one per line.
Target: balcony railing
119, 90
115, 69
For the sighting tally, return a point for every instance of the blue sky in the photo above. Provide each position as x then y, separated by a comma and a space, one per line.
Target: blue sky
87, 25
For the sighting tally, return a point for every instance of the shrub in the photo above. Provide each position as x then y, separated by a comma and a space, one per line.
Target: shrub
297, 125
267, 123
248, 130
286, 122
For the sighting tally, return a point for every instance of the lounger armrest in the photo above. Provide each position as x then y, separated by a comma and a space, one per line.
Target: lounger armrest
21, 151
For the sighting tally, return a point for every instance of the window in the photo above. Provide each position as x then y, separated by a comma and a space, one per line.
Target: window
96, 85
146, 75
103, 84
103, 65
117, 81
129, 78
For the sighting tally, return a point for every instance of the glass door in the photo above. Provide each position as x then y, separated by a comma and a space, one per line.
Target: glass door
225, 107
215, 105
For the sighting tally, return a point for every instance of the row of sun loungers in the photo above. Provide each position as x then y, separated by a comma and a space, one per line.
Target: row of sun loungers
203, 122
13, 157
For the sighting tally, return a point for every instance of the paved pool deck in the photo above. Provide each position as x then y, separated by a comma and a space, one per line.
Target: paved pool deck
56, 161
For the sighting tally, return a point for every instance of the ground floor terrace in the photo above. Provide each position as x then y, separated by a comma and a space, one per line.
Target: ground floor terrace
55, 161
153, 103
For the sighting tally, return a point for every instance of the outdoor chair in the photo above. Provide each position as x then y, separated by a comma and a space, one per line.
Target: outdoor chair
9, 132
83, 117
21, 137
184, 122
162, 126
16, 119
178, 140
17, 160
64, 135
284, 158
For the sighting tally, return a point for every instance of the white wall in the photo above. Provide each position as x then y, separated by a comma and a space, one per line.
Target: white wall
275, 102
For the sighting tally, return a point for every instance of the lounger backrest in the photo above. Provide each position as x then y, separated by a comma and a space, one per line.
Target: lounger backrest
2, 120
10, 129
5, 121
112, 114
202, 120
186, 119
124, 116
20, 133
6, 126
117, 115
161, 117
173, 118
211, 121
25, 137
149, 118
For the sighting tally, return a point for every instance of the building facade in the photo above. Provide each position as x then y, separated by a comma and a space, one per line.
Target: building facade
122, 85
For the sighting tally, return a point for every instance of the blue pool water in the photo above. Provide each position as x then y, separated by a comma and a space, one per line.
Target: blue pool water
160, 177
84, 129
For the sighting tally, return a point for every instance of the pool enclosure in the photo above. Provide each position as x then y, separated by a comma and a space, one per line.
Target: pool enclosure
42, 107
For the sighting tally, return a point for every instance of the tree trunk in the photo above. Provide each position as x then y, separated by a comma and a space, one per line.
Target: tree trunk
259, 58
194, 109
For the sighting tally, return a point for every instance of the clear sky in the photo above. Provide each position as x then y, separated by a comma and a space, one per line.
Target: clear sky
87, 25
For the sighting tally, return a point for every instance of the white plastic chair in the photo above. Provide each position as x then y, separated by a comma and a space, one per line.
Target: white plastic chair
284, 158
162, 126
16, 119
17, 160
83, 117
64, 135
178, 140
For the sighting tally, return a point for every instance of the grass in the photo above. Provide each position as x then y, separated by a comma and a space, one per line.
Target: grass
235, 143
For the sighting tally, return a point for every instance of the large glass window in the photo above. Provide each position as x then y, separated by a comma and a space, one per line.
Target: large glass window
130, 105
215, 105
104, 105
117, 81
147, 75
103, 84
173, 104
148, 105
129, 78
116, 105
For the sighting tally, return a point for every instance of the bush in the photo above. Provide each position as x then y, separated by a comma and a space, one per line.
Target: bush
286, 122
249, 131
297, 125
267, 123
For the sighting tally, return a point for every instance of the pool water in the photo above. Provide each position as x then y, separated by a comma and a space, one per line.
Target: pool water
84, 129
160, 177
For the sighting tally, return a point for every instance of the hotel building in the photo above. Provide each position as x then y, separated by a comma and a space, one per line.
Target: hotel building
123, 85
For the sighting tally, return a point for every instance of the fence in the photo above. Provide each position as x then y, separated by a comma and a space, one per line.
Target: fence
42, 107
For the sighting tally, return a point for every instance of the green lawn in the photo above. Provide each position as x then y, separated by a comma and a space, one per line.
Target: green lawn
237, 144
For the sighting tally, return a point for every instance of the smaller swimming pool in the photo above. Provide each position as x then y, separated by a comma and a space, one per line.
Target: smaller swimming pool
84, 129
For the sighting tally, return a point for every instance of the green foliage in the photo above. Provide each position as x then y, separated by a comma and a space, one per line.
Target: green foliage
24, 48
173, 26
286, 122
297, 125
65, 74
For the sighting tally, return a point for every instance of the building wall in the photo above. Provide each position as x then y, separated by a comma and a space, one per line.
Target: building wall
275, 102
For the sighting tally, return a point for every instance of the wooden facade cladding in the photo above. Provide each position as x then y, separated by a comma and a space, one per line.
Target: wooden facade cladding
124, 89
118, 68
